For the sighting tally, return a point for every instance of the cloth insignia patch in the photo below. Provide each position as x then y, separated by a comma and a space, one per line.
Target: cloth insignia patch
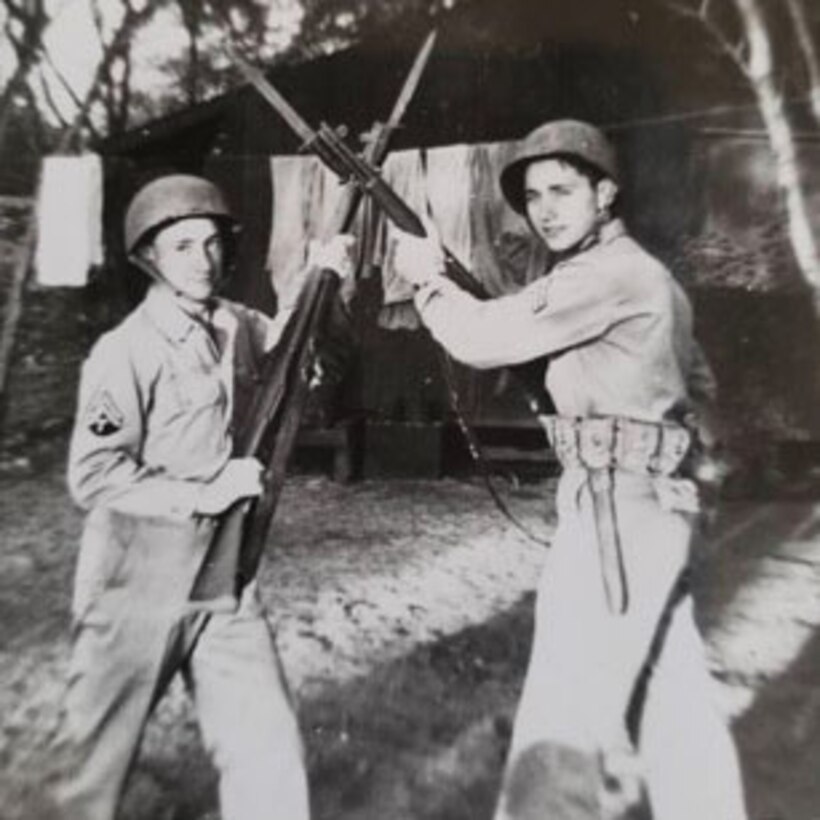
103, 417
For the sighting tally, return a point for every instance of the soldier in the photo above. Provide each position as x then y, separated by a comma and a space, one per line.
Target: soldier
150, 460
617, 670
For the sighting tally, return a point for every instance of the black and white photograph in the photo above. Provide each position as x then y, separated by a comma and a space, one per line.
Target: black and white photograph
409, 410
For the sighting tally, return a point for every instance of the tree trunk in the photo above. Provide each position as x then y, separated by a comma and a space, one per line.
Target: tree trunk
15, 84
802, 30
761, 75
14, 302
33, 18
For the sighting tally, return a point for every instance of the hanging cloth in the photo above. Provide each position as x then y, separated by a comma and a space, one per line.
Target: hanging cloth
294, 179
69, 220
449, 186
505, 255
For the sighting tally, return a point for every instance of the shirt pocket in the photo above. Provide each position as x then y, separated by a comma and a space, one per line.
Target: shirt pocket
198, 388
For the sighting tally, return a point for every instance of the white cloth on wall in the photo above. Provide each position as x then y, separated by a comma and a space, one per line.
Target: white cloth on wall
306, 200
69, 219
505, 255
456, 185
291, 177
404, 172
449, 184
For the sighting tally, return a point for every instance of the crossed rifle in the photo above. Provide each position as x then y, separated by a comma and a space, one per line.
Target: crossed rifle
271, 423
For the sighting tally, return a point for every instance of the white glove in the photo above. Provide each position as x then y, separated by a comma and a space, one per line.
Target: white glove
335, 254
239, 478
416, 259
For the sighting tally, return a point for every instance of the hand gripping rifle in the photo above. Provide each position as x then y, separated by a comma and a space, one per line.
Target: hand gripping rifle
329, 145
270, 425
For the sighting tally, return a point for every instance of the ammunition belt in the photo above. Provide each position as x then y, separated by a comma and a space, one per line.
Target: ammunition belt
618, 443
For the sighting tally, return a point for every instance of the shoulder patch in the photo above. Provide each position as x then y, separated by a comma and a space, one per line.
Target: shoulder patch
102, 416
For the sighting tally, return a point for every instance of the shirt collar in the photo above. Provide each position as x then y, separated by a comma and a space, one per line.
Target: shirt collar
612, 230
168, 316
602, 235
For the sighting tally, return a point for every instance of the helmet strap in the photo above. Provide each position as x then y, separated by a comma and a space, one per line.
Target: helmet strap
147, 267
152, 271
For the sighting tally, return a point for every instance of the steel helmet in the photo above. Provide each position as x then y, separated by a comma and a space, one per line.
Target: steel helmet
565, 137
169, 199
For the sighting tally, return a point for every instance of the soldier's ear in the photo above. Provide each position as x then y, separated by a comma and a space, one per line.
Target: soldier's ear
606, 192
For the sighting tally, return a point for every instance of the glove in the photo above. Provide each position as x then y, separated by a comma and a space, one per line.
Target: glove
418, 260
239, 478
335, 254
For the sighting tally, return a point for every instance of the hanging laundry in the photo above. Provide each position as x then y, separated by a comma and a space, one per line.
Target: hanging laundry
307, 198
292, 177
404, 171
457, 186
504, 255
449, 185
69, 220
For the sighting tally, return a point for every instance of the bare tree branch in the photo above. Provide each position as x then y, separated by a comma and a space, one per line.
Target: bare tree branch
48, 96
703, 14
68, 88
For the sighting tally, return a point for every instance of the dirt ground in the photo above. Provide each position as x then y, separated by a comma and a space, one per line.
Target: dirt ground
403, 613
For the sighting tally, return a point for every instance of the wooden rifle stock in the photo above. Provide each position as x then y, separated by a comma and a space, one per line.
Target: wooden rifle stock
269, 434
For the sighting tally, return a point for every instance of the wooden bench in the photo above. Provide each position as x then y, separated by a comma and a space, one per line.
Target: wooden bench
343, 438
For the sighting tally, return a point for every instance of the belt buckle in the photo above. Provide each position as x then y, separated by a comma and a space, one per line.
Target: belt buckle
673, 447
638, 446
565, 441
596, 439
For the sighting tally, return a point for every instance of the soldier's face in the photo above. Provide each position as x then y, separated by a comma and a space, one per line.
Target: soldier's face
188, 256
563, 205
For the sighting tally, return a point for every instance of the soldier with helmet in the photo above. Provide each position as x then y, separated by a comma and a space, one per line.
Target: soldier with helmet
151, 462
617, 678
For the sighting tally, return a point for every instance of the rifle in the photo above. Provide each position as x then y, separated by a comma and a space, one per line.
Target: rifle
269, 428
329, 145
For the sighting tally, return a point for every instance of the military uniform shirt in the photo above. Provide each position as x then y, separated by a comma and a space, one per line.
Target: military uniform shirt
616, 326
157, 397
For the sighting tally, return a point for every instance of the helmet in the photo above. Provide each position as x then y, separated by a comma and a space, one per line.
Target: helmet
169, 199
568, 137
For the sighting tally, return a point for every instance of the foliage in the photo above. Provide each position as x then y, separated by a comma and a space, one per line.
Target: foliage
156, 56
773, 50
760, 261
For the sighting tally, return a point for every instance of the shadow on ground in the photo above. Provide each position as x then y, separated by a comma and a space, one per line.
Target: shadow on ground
422, 737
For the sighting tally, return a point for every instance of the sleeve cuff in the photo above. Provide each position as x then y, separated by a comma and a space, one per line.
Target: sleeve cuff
430, 290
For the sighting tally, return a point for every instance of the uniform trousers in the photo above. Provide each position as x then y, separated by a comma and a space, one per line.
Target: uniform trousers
133, 633
586, 662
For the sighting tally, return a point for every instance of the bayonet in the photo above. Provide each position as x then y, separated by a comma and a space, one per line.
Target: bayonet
329, 145
382, 132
